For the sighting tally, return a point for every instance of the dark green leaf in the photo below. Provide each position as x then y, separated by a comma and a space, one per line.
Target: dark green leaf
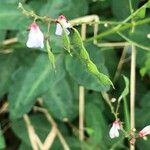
11, 17
8, 64
54, 8
95, 120
2, 141
59, 101
121, 9
31, 82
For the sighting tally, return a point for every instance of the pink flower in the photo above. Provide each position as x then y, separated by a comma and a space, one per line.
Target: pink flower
35, 37
113, 133
62, 23
145, 131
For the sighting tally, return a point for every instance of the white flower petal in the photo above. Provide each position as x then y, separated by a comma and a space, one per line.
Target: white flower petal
62, 22
35, 38
58, 29
65, 23
113, 133
145, 131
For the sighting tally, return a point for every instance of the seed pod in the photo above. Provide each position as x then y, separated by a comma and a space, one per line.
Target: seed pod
66, 42
84, 56
50, 54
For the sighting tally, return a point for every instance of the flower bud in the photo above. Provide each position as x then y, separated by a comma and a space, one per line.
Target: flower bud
35, 37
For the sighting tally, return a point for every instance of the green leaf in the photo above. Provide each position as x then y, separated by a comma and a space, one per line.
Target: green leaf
37, 5
121, 9
11, 17
31, 82
78, 71
60, 102
95, 120
141, 13
54, 8
146, 68
145, 100
8, 61
24, 146
89, 131
143, 143
9, 1
3, 34
2, 141
148, 4
126, 89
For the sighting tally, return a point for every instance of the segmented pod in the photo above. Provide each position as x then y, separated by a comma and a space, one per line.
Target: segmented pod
50, 54
66, 42
84, 56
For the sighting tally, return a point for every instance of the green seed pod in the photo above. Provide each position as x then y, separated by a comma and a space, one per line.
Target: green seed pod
76, 39
50, 54
92, 68
84, 56
66, 42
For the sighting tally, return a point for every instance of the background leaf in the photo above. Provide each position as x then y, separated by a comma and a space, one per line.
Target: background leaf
33, 82
61, 102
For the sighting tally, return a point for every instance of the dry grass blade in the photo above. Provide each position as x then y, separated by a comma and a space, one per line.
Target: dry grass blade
31, 132
50, 138
53, 123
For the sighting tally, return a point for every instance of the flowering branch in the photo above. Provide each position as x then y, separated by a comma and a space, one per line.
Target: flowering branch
35, 16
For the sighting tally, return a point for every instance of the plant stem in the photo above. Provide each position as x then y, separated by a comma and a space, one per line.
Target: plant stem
126, 114
120, 64
134, 43
119, 27
81, 113
114, 44
81, 95
106, 98
132, 90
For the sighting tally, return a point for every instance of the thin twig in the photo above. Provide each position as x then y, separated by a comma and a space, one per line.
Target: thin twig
91, 19
96, 28
10, 41
31, 132
106, 98
50, 138
4, 108
53, 123
81, 113
120, 64
81, 95
115, 44
132, 90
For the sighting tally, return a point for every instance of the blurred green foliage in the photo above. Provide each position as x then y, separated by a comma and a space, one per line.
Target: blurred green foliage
26, 74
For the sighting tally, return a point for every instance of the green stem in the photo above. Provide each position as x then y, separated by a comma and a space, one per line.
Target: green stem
126, 113
134, 43
119, 27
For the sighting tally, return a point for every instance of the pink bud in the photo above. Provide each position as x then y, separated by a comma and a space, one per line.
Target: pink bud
145, 131
114, 131
62, 22
35, 37
61, 17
